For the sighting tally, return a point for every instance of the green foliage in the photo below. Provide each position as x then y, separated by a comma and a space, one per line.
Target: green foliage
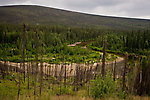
144, 62
122, 94
103, 87
149, 93
8, 88
68, 90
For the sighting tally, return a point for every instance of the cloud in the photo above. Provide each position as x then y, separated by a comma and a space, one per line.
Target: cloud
91, 3
129, 8
140, 8
5, 2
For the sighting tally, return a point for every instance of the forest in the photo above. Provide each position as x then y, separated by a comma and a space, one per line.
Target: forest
50, 62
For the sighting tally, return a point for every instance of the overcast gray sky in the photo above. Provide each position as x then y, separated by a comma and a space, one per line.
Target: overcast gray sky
123, 8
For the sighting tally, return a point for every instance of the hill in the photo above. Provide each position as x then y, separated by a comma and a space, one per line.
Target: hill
30, 14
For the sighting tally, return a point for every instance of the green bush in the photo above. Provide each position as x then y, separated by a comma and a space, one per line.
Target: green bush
122, 94
64, 90
101, 87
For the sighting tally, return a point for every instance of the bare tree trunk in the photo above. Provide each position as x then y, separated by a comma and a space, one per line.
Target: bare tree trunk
19, 83
96, 70
89, 87
56, 71
36, 60
103, 60
75, 77
45, 69
41, 82
81, 75
124, 72
144, 78
61, 72
136, 71
5, 71
49, 77
4, 68
84, 77
23, 50
65, 75
114, 71
60, 77
28, 71
88, 79
32, 67
148, 76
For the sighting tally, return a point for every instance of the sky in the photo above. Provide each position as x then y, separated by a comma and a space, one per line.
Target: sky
119, 8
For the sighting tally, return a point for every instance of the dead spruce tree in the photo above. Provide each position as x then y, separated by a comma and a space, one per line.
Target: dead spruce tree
55, 74
60, 77
124, 71
23, 50
22, 64
19, 83
147, 79
103, 60
114, 71
49, 75
41, 70
145, 76
36, 60
28, 67
65, 76
4, 67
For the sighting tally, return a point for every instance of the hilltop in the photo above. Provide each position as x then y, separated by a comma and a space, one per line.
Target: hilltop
32, 14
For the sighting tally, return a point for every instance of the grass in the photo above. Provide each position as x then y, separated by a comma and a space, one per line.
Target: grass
70, 97
9, 90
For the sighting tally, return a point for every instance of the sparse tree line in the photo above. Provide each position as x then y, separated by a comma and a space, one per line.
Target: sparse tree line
132, 77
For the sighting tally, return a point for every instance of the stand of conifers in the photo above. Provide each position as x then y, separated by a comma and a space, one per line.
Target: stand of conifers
75, 75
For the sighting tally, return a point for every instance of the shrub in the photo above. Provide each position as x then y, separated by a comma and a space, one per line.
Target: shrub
68, 90
102, 87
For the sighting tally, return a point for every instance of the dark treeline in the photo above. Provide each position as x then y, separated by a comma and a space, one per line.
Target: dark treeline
56, 34
54, 38
137, 42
